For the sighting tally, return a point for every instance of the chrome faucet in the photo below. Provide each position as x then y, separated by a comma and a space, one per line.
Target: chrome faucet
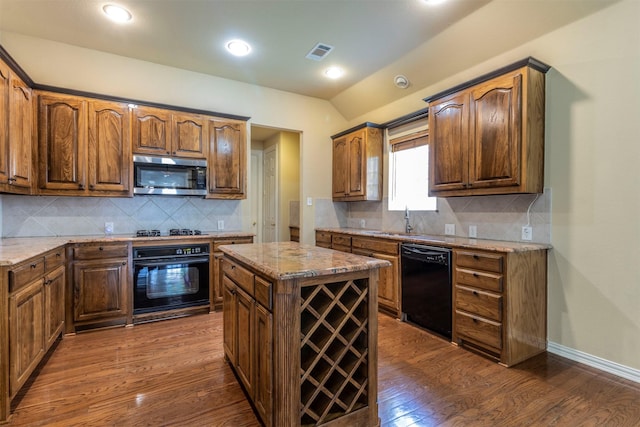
407, 227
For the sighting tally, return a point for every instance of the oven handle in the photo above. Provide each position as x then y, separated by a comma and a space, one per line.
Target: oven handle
162, 262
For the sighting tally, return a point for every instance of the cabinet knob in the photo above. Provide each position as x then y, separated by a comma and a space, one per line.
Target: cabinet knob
475, 275
92, 187
100, 248
475, 293
81, 186
11, 180
124, 262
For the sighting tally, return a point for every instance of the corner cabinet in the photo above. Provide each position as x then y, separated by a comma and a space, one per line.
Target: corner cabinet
16, 123
227, 159
487, 136
357, 164
84, 146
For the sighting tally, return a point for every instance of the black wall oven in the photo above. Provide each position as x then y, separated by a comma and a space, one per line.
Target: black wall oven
170, 277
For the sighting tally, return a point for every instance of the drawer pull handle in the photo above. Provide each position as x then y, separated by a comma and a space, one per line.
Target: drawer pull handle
33, 265
58, 254
233, 267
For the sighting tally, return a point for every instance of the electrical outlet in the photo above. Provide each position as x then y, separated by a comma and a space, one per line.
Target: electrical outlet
220, 224
527, 233
473, 231
309, 201
108, 228
450, 229
363, 223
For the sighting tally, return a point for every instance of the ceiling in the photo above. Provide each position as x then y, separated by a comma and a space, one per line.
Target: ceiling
373, 40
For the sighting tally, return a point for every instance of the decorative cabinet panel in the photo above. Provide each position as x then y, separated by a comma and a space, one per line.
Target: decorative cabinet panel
62, 144
109, 148
151, 130
227, 159
357, 164
488, 138
16, 124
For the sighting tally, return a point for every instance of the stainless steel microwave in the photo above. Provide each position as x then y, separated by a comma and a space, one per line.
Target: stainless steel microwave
169, 176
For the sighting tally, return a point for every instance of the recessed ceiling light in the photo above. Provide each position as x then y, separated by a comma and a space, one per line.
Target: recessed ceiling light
238, 47
434, 2
334, 72
117, 13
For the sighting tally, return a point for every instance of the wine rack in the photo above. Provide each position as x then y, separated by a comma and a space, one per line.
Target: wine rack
333, 350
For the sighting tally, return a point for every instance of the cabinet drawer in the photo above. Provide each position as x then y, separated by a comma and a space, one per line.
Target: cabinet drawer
54, 259
239, 274
323, 237
236, 241
26, 273
479, 279
482, 331
263, 292
338, 240
375, 245
483, 304
480, 260
101, 251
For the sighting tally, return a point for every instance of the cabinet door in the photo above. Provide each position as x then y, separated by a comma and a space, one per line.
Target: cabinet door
4, 123
230, 320
495, 133
388, 290
100, 290
189, 133
26, 330
448, 144
62, 127
217, 291
151, 131
227, 161
263, 363
54, 284
245, 310
356, 176
20, 135
340, 167
109, 148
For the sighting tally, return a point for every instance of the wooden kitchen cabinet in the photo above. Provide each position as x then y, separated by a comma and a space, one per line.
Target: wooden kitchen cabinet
499, 303
151, 131
488, 137
16, 112
227, 159
217, 288
357, 164
84, 146
100, 285
388, 282
248, 329
189, 135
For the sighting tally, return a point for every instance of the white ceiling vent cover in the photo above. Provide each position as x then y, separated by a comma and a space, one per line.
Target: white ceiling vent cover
319, 51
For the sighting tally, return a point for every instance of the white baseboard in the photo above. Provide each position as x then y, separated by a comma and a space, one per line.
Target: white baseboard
595, 362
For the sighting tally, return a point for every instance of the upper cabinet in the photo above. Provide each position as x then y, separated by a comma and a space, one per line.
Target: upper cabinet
84, 146
227, 159
357, 164
165, 133
487, 137
16, 123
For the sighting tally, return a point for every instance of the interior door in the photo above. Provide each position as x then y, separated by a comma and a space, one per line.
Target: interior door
270, 195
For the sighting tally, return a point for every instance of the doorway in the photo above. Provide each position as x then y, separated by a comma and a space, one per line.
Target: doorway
275, 195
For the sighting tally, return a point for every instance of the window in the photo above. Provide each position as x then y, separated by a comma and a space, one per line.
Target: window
409, 174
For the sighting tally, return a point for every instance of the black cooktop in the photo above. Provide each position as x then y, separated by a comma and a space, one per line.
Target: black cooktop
172, 232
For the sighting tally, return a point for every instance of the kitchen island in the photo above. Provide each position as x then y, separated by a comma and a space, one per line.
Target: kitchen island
300, 331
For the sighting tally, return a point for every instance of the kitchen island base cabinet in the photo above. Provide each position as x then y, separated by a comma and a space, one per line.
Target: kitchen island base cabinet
309, 337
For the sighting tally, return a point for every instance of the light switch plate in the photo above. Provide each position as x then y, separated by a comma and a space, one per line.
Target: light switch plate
309, 201
450, 229
220, 224
473, 231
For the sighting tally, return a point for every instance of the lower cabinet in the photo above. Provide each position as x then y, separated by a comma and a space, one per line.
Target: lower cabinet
100, 285
54, 284
216, 283
248, 336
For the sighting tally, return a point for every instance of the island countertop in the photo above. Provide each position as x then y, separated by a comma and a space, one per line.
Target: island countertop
287, 260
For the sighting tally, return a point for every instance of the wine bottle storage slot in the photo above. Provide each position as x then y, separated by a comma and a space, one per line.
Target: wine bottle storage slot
334, 350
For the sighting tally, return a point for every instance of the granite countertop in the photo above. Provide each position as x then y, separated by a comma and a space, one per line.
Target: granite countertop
444, 241
287, 260
17, 249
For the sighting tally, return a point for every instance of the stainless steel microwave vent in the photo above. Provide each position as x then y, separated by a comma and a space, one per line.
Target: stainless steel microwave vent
319, 51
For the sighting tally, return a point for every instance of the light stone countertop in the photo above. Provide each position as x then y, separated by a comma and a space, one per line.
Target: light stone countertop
287, 260
17, 249
443, 241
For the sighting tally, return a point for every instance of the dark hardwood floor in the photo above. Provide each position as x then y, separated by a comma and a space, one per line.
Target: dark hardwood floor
172, 373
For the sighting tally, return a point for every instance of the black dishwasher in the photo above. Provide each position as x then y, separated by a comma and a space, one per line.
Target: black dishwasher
426, 287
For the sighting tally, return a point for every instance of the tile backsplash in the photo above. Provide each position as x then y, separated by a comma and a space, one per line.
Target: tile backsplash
495, 217
64, 216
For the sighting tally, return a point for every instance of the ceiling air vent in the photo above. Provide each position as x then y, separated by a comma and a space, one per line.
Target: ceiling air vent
319, 51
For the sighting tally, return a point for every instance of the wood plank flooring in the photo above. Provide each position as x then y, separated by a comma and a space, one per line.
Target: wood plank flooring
172, 373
